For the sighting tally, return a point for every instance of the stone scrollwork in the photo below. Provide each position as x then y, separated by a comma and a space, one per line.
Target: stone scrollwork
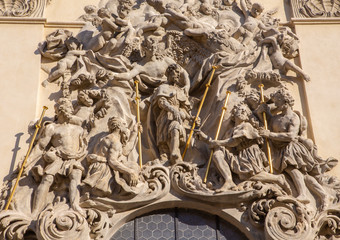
154, 185
23, 8
58, 221
316, 8
142, 90
14, 225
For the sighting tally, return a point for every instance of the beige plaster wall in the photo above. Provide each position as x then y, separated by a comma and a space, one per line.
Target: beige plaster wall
67, 10
19, 71
320, 55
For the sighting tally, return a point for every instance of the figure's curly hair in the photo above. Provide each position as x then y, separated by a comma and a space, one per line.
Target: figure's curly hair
121, 125
172, 67
285, 95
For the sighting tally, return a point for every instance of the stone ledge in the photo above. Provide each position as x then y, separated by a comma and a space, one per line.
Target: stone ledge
314, 21
29, 20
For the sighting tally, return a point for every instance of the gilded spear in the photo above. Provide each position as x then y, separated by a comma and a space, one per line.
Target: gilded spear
269, 152
224, 109
37, 127
138, 121
207, 86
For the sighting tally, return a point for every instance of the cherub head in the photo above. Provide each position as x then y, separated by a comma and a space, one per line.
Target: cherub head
205, 8
256, 10
124, 8
90, 9
73, 44
84, 99
104, 13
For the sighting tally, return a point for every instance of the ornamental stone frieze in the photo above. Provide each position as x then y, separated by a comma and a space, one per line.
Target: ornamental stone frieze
166, 105
315, 8
23, 8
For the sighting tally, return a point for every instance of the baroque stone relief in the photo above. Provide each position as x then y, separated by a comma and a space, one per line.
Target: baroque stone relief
316, 8
149, 93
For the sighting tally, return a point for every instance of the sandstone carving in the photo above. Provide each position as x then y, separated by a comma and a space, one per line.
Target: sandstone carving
164, 70
316, 8
23, 8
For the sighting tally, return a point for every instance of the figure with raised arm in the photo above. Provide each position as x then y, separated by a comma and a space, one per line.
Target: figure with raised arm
111, 152
252, 23
278, 60
245, 157
292, 156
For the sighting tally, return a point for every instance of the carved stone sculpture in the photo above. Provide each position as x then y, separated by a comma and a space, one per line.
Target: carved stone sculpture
23, 8
67, 148
160, 65
316, 8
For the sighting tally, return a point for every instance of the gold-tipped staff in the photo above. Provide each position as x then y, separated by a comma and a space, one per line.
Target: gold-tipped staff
138, 121
207, 86
224, 109
37, 127
269, 152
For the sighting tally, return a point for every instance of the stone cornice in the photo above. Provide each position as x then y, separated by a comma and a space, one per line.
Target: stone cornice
312, 21
22, 20
43, 21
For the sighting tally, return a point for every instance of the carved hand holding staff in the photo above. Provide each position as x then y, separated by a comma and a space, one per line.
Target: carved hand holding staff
37, 127
269, 153
224, 109
207, 86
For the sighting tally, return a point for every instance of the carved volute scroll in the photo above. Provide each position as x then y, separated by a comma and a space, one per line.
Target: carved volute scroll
23, 8
315, 8
83, 175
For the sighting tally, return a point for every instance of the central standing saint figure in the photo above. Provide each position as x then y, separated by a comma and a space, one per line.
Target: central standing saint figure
171, 111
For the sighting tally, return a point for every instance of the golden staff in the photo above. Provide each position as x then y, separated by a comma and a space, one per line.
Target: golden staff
37, 127
138, 121
224, 109
269, 152
207, 86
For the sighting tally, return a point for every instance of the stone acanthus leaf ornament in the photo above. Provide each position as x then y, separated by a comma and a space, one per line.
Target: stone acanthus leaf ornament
158, 73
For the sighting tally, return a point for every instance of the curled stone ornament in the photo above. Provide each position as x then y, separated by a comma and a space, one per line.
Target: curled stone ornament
58, 221
13, 225
327, 224
184, 178
288, 219
22, 8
